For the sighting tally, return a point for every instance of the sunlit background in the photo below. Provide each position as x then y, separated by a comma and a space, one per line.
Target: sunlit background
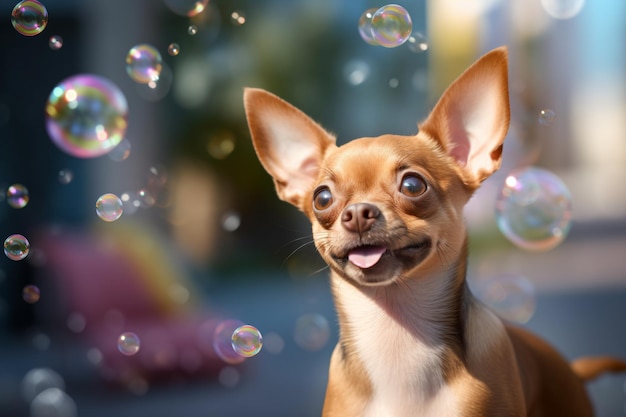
132, 258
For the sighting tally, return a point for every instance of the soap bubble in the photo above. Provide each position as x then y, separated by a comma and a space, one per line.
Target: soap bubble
187, 8
86, 116
30, 294
121, 152
546, 117
391, 26
143, 63
16, 247
312, 332
247, 340
38, 380
173, 49
128, 343
223, 344
563, 9
65, 176
534, 209
510, 296
192, 30
17, 196
417, 43
365, 26
157, 89
53, 402
109, 207
29, 17
56, 42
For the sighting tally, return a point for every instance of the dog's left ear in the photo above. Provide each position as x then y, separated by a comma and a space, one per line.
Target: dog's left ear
472, 117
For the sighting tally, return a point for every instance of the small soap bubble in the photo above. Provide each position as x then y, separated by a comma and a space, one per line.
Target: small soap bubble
109, 207
222, 341
511, 296
65, 176
128, 343
17, 196
121, 152
391, 26
16, 247
31, 294
546, 117
365, 26
143, 63
187, 8
417, 43
534, 209
247, 340
56, 42
356, 72
53, 402
238, 18
29, 17
192, 30
312, 332
157, 89
563, 9
173, 49
86, 116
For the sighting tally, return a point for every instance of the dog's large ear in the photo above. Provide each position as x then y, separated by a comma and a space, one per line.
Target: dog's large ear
289, 144
472, 117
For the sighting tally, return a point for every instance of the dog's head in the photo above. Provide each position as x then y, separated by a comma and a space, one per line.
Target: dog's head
389, 207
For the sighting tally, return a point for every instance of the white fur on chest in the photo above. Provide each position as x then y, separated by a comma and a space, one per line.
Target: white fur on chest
403, 359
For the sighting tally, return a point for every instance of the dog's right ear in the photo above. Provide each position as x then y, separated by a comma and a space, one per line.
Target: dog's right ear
289, 144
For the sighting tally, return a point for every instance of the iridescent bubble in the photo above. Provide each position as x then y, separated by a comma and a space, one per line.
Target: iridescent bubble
192, 30
365, 26
86, 116
29, 17
53, 402
312, 332
65, 176
128, 343
534, 209
16, 247
511, 296
143, 63
31, 294
238, 18
17, 196
38, 380
247, 340
417, 43
121, 152
56, 42
109, 207
187, 8
391, 26
546, 117
223, 344
173, 49
563, 9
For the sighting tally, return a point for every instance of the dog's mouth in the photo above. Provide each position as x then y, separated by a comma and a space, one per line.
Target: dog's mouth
368, 257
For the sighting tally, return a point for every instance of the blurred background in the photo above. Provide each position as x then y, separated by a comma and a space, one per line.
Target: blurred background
203, 244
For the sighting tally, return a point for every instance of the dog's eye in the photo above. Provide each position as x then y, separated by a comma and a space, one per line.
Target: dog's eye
412, 186
322, 199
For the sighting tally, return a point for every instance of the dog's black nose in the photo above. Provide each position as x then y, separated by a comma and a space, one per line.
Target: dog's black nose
359, 217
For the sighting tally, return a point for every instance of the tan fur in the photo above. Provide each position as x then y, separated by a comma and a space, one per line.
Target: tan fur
387, 217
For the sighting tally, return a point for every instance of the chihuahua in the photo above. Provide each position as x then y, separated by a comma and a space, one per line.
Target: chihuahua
387, 217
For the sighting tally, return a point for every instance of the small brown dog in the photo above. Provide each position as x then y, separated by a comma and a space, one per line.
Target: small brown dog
387, 215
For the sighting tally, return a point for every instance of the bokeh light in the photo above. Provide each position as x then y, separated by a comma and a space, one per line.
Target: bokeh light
238, 18
192, 30
417, 43
563, 9
16, 247
128, 343
55, 42
534, 209
511, 296
187, 8
31, 294
29, 17
17, 196
391, 26
312, 332
222, 341
38, 380
53, 402
144, 63
247, 340
65, 176
109, 207
173, 49
86, 116
356, 71
546, 117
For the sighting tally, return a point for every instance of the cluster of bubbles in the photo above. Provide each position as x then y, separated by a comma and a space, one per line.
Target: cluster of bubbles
16, 247
534, 209
29, 17
389, 26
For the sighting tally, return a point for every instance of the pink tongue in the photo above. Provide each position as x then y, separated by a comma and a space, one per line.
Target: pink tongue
366, 256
